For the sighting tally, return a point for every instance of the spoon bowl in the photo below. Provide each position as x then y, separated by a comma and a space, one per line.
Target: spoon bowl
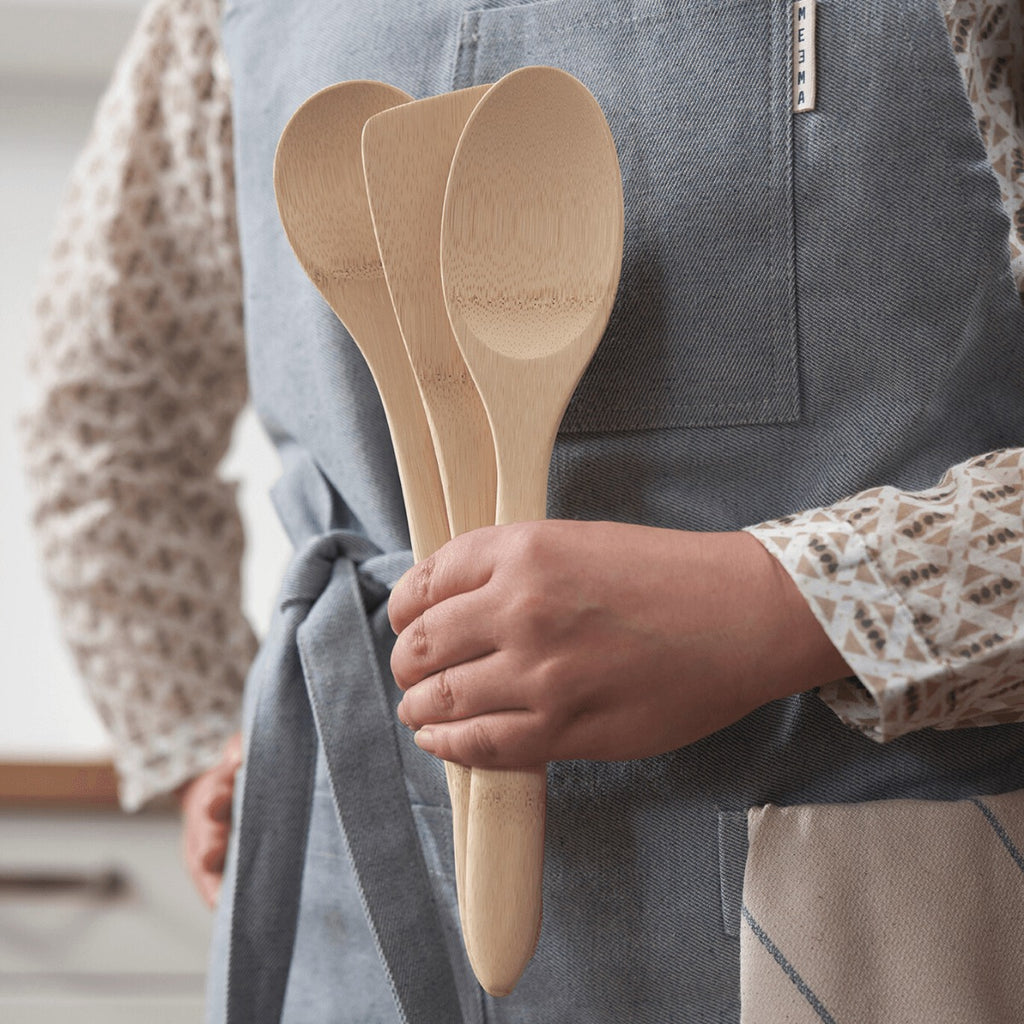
321, 197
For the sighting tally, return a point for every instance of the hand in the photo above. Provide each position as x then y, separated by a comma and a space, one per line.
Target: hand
550, 640
206, 820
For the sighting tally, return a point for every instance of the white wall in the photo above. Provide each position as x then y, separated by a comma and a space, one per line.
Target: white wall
54, 58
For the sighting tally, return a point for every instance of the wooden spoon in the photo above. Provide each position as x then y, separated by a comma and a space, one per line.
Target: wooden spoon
407, 153
321, 197
531, 249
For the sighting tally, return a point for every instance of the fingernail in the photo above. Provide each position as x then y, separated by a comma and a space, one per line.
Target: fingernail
425, 739
402, 718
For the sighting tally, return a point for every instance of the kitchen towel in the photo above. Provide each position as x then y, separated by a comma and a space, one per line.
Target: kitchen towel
891, 911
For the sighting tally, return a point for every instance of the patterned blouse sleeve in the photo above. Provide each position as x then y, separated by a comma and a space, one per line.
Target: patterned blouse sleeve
922, 592
137, 369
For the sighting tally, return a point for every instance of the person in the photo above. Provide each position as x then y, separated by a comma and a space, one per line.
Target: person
785, 511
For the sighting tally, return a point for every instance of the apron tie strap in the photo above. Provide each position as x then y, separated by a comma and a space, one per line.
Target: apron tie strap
336, 581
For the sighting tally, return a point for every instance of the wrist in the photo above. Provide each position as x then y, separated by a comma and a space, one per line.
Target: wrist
796, 653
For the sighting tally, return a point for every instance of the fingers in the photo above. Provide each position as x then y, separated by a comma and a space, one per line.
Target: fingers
218, 804
209, 870
457, 630
213, 848
206, 813
507, 739
467, 690
460, 566
208, 887
206, 822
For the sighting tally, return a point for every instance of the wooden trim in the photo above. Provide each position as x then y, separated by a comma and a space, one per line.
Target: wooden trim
54, 784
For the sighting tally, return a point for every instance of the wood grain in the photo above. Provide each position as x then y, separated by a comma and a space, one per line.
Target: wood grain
407, 154
531, 249
321, 197
58, 784
322, 200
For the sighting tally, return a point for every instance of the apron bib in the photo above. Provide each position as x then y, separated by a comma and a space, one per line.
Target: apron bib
810, 305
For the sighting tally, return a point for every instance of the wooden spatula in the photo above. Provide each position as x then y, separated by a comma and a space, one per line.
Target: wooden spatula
321, 197
531, 249
407, 153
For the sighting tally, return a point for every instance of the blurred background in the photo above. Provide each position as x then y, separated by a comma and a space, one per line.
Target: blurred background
97, 916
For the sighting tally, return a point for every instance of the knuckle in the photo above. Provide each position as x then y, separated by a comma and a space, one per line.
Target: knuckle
394, 609
526, 544
444, 695
411, 651
411, 594
421, 581
483, 742
397, 666
537, 544
519, 601
419, 640
544, 682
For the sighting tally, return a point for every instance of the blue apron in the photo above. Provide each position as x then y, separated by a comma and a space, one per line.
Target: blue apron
811, 305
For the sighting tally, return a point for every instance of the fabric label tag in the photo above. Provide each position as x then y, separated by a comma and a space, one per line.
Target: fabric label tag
805, 78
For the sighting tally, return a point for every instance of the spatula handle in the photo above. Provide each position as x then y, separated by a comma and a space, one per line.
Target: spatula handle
414, 452
429, 529
507, 808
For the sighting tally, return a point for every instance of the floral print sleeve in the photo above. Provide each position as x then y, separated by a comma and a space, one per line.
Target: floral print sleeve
138, 375
987, 39
921, 592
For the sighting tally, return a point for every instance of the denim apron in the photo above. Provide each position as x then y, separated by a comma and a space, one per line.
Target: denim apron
811, 305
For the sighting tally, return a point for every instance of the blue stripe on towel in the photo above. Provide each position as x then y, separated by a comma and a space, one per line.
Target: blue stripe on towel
802, 986
997, 827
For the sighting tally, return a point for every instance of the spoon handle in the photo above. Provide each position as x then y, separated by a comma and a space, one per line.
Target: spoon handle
504, 873
507, 808
465, 455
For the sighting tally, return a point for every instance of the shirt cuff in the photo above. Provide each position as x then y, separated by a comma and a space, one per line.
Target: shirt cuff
169, 759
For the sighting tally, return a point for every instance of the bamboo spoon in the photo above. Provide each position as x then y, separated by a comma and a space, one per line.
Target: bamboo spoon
321, 197
531, 249
407, 153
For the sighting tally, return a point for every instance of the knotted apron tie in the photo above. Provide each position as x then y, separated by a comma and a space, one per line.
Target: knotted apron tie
335, 582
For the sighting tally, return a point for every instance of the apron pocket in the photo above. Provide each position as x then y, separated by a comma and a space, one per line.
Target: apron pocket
899, 910
732, 859
697, 96
434, 826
